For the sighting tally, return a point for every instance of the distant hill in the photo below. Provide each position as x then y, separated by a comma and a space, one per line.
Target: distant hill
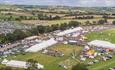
88, 9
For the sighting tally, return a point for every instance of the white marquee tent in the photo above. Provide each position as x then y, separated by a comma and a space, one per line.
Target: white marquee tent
21, 64
42, 45
69, 31
4, 61
104, 44
31, 37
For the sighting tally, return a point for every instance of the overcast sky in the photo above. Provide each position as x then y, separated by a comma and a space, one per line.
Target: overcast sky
84, 3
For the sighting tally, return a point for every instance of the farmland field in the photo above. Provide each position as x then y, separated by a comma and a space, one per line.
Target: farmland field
61, 21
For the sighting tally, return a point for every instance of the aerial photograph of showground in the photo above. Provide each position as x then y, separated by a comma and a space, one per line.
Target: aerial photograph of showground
57, 34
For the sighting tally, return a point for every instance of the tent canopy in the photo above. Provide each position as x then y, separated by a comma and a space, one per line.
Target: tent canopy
104, 44
21, 64
42, 45
65, 32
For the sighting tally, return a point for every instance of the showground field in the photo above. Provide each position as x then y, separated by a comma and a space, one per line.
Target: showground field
50, 62
107, 35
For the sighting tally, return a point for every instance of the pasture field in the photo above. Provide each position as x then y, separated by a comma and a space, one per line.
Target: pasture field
16, 13
61, 21
50, 22
107, 35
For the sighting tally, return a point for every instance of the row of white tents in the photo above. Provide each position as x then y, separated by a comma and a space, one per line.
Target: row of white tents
69, 31
42, 45
103, 44
19, 64
52, 41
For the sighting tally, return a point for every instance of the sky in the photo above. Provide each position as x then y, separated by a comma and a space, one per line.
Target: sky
80, 3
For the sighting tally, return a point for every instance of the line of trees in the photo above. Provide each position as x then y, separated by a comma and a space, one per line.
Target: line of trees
102, 21
46, 29
84, 17
47, 17
37, 17
11, 37
113, 22
99, 22
108, 17
19, 34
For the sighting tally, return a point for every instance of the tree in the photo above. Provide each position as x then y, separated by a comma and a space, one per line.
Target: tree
105, 20
48, 29
56, 17
73, 24
50, 17
28, 33
113, 22
80, 66
3, 39
55, 27
88, 23
19, 34
10, 37
105, 16
101, 22
63, 26
94, 22
41, 29
16, 35
31, 64
34, 31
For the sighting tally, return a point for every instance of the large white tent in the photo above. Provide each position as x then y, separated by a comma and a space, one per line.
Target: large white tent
104, 44
21, 64
69, 31
31, 37
42, 45
4, 61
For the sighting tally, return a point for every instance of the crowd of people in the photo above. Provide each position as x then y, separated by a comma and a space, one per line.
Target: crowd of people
98, 54
18, 46
9, 27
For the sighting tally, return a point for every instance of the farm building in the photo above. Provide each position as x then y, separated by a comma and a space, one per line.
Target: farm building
19, 64
103, 44
42, 45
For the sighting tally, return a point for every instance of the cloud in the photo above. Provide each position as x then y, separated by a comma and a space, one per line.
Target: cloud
83, 3
90, 3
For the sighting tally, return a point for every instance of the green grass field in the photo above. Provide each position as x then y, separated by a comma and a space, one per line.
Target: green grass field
104, 65
107, 35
